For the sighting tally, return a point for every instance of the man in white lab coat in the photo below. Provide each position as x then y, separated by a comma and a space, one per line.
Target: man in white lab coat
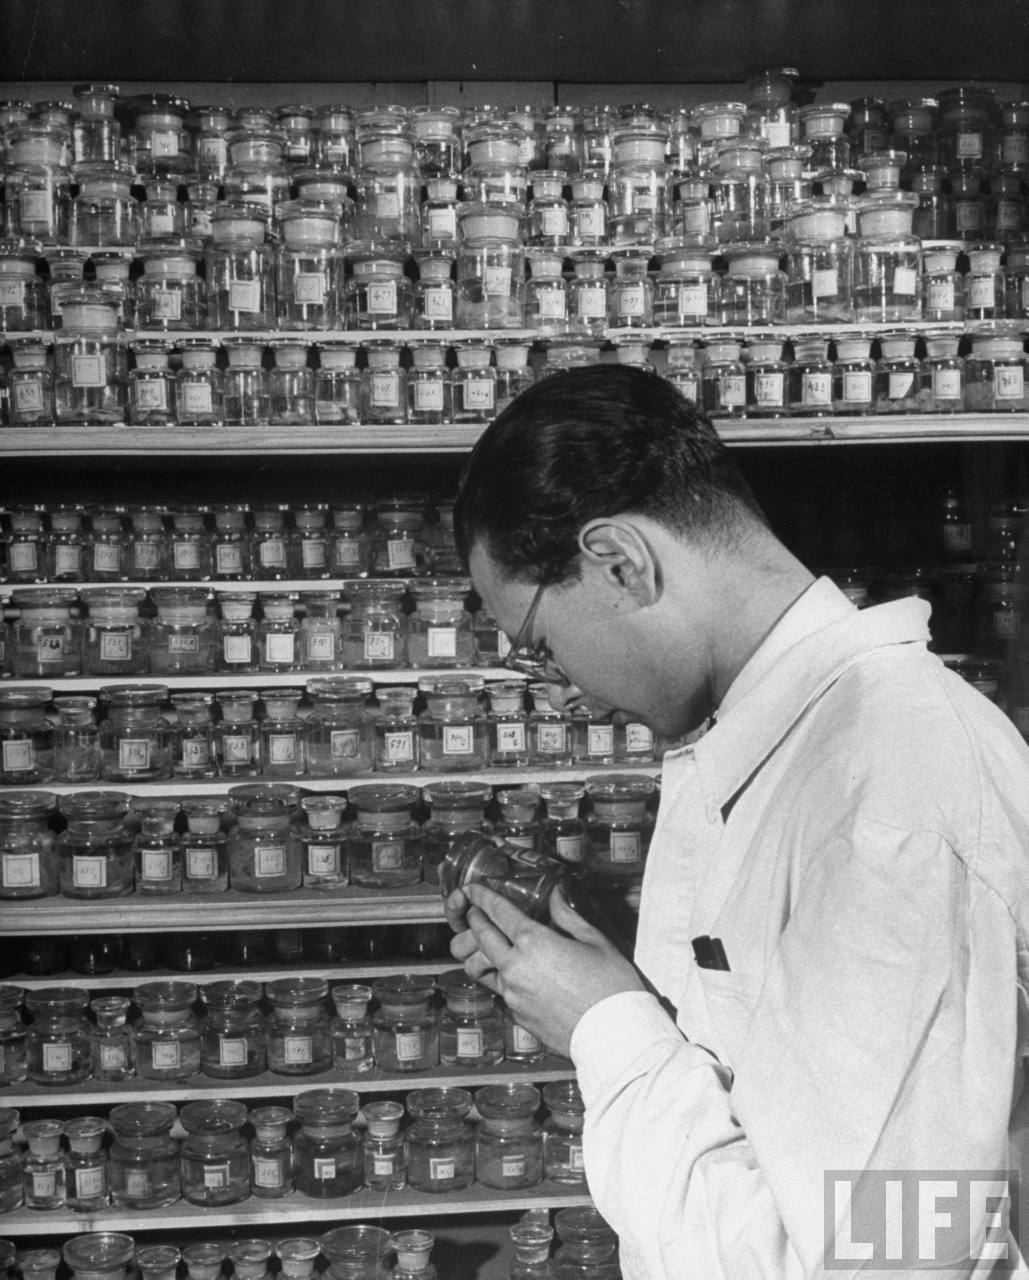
836, 900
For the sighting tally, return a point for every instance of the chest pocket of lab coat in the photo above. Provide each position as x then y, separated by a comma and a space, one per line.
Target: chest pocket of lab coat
728, 1011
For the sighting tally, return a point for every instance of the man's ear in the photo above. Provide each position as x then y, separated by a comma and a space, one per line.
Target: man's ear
616, 549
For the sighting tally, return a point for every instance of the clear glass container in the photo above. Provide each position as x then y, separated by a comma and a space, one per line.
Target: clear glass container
887, 259
984, 283
943, 373
352, 1050
546, 293
399, 538
374, 634
943, 286
282, 735
249, 1258
26, 736
357, 1252
167, 1037
440, 1140
471, 1028
278, 633
231, 550
452, 728
550, 731
63, 551
547, 210
562, 1133
995, 371
473, 382
265, 853
824, 125
593, 736
182, 637
377, 294
405, 1029
811, 378
270, 543
322, 838
766, 374
203, 1260
299, 1035
233, 1030
170, 294
335, 145
562, 832
309, 265
113, 1050
157, 852
337, 384
429, 398
966, 133
214, 1156
240, 269
770, 114
686, 289
22, 291
236, 632
90, 359
898, 378
271, 1165
589, 293
531, 1237
508, 1139
507, 725
311, 554
12, 1191
38, 1264
46, 638
588, 1248
95, 850
514, 374
135, 738
819, 263
385, 1162
102, 1256
237, 738
158, 1261
619, 827
115, 638
28, 857
396, 730
30, 384
88, 1173
723, 380
754, 288
149, 558
26, 547
632, 290
58, 1039
385, 845
490, 267
853, 375
440, 629
204, 844
339, 732
199, 397
290, 384
456, 807
328, 1160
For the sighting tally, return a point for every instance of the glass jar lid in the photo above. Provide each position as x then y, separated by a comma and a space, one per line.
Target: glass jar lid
142, 1119
517, 1101
100, 1251
439, 1104
231, 993
213, 1116
165, 995
323, 1107
284, 992
94, 806
264, 799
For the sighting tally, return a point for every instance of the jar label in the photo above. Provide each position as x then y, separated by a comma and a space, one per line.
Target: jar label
551, 739
385, 389
283, 748
312, 555
88, 371
271, 553
732, 389
167, 1055
696, 218
378, 646
400, 553
825, 282
195, 397
900, 385
441, 642
769, 389
19, 870
1008, 214
44, 1184
554, 222
88, 872
309, 288
236, 749
816, 389
939, 295
166, 304
442, 1168
232, 1052
188, 644
106, 557
857, 386
1006, 624
270, 859
1008, 382
12, 293
692, 300
323, 860
87, 1183
428, 397
443, 223
18, 756
161, 221
625, 846
1014, 149
164, 143
344, 744
383, 1165
631, 300
150, 393
387, 855
776, 132
186, 555
196, 753
113, 1055
638, 739
133, 754
469, 1042
981, 292
905, 280
592, 301
398, 747
355, 1048
968, 216
591, 221
512, 1166
947, 386
23, 556
279, 648
216, 1176
496, 280
297, 1050
50, 650
382, 300
156, 864
37, 206
147, 555
569, 848
387, 204
552, 303
523, 1041
115, 645
969, 146
28, 395
957, 537
576, 1159
324, 1168
57, 1057
200, 225
479, 393
137, 1184
267, 1172
202, 863
510, 737
245, 295
600, 739
458, 739
438, 303
237, 649
408, 1046
228, 558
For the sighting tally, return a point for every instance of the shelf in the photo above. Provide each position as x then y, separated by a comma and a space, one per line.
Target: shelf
257, 1213
971, 428
246, 679
90, 1093
123, 980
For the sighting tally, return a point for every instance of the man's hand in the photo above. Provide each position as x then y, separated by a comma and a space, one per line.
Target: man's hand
548, 980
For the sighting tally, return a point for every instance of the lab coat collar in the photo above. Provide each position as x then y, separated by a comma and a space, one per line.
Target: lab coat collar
812, 644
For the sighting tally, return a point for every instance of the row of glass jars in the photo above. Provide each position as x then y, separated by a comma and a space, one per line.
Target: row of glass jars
248, 1028
385, 538
279, 842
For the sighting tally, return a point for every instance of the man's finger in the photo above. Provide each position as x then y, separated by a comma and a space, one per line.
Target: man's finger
511, 920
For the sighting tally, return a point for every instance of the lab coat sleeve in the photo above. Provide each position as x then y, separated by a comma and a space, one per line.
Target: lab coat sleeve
884, 1037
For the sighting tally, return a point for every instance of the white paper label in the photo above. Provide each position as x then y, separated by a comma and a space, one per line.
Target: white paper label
387, 855
385, 389
552, 304
904, 281
378, 646
438, 303
592, 301
496, 280
469, 1042
282, 749
825, 282
554, 222
600, 739
28, 396
156, 864
400, 553
981, 291
344, 744
479, 394
857, 387
510, 737
236, 748
167, 1056
57, 1057
631, 300
270, 859
693, 300
940, 295
271, 553
166, 304
236, 649
733, 390
232, 1052
323, 859
201, 863
297, 1049
133, 754
900, 385
428, 397
398, 747
569, 848
88, 872
19, 870
441, 642
382, 298
769, 390
88, 371
551, 739
18, 756
947, 385
458, 739
245, 295
151, 394
816, 389
279, 648
1008, 382
625, 846
195, 397
309, 288
408, 1045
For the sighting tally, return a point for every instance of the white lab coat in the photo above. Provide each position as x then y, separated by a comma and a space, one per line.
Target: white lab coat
855, 830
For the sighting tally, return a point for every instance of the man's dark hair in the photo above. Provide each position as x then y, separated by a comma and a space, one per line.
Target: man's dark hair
588, 442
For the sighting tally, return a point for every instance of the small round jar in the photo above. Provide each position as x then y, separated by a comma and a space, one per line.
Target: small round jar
944, 373
203, 1260
88, 1183
214, 1157
589, 1247
439, 215
898, 380
396, 730
399, 539
157, 853
563, 833
440, 629
378, 295
374, 634
28, 857
385, 1161
94, 851
278, 633
233, 1030
357, 1252
471, 1030
199, 401
819, 264
239, 269
167, 1038
26, 736
429, 398
995, 372
405, 1029
282, 744
58, 1039
508, 1140
352, 1029
823, 125
811, 378
984, 283
943, 285
135, 738
182, 636
271, 1162
299, 1038
322, 838
327, 1151
46, 638
514, 373
114, 1055
723, 380
383, 384
766, 373
337, 385
562, 1133
30, 384
297, 1257
887, 268
440, 1140
853, 375
249, 1258
754, 288
264, 850
490, 267
339, 732
158, 1261
115, 638
144, 1157
452, 728
385, 844
619, 827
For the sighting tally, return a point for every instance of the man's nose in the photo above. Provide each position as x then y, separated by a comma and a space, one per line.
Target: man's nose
563, 697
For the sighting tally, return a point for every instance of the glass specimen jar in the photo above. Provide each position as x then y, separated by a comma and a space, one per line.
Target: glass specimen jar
11, 1185
507, 725
182, 636
89, 358
590, 293
167, 1037
157, 852
440, 1140
240, 269
322, 837
357, 1252
473, 382
898, 379
405, 1028
63, 549
95, 850
30, 384
739, 191
587, 210
819, 263
103, 1255
439, 217
811, 378
546, 293
471, 1029
377, 295
309, 265
159, 142
135, 738
46, 638
452, 728
339, 732
28, 859
513, 371
385, 844
385, 1162
995, 371
203, 1260
249, 1258
550, 731
508, 1139
299, 1038
593, 736
562, 832
310, 555
352, 1028
490, 267
230, 541
26, 736
214, 1157
457, 807
428, 384
327, 1155
269, 544
984, 283
766, 373
374, 634
158, 1261
966, 133
96, 134
337, 385
384, 385
290, 384
58, 1040
113, 1052
723, 380
618, 828
440, 630
686, 287
170, 294
148, 540
853, 375
632, 290
237, 631
789, 183
265, 854
88, 1174
434, 291
399, 538
518, 822
887, 259
26, 547
588, 1248
115, 637
770, 114
22, 292
943, 286
562, 1133
824, 131
282, 735
200, 389
547, 210
944, 373
237, 740
754, 288
271, 1159
681, 369
278, 633
204, 858
38, 1264
388, 201
396, 730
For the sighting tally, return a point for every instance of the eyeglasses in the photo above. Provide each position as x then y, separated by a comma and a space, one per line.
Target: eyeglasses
534, 661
